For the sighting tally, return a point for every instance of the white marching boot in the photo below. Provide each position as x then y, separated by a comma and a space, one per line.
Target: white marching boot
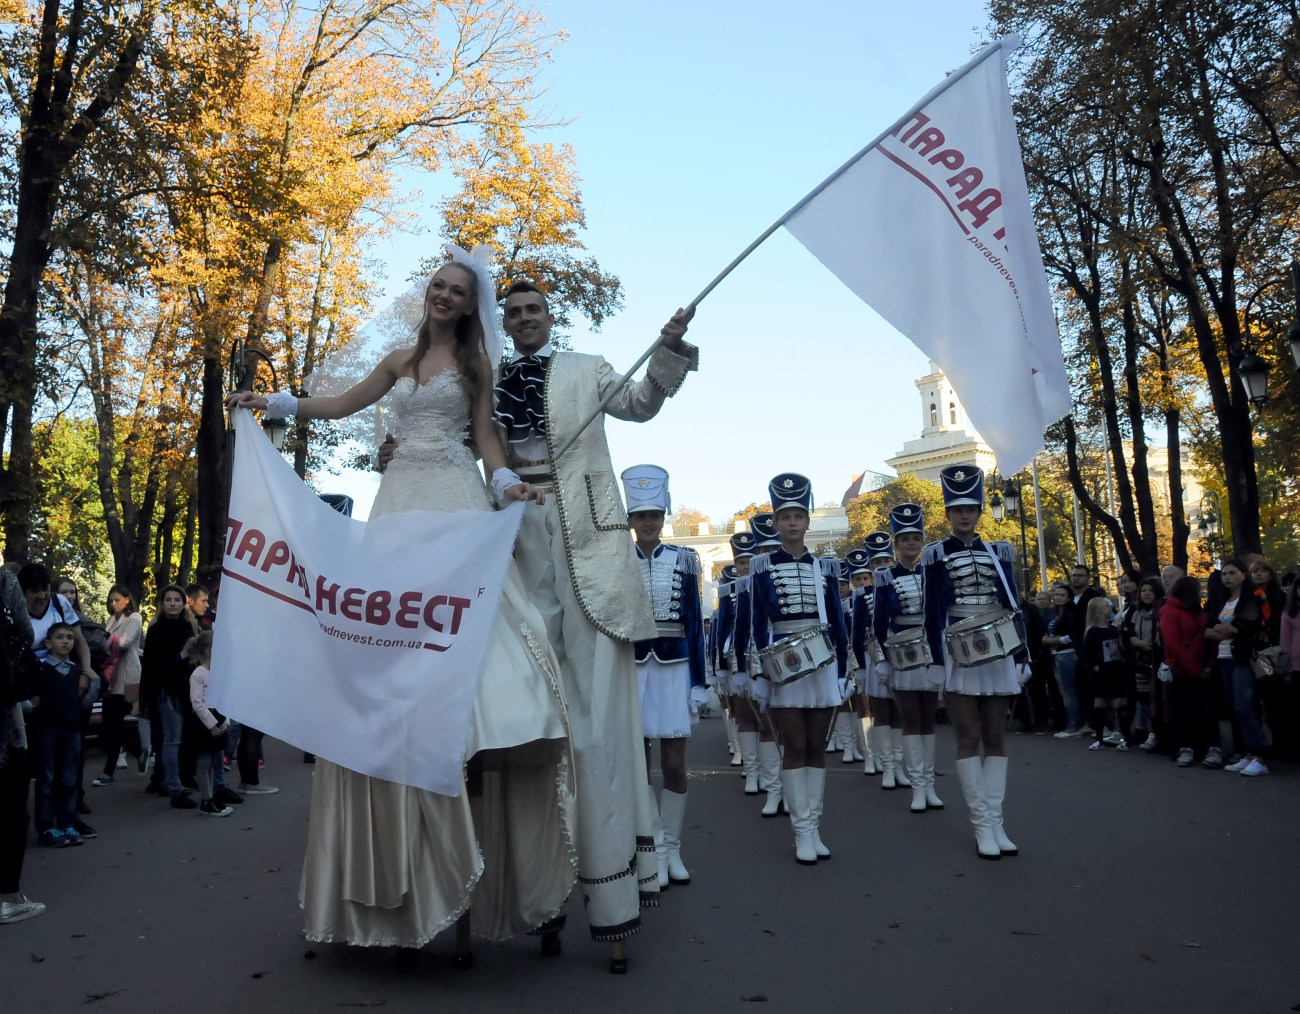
816, 778
795, 786
657, 829
849, 724
995, 790
749, 759
733, 743
868, 747
885, 756
896, 745
932, 801
836, 742
672, 806
970, 772
914, 761
769, 765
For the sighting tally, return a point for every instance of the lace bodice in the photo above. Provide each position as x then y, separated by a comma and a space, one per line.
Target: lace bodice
433, 468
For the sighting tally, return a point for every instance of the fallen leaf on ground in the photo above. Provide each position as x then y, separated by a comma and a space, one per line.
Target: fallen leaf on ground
363, 1003
77, 936
896, 923
37, 959
272, 869
92, 997
309, 955
1190, 943
1025, 933
755, 998
770, 933
1147, 957
258, 975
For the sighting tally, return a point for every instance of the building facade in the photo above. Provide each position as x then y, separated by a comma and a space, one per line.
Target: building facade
947, 437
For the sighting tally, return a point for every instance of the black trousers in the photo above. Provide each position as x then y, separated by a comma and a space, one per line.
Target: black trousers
13, 820
248, 754
1195, 724
110, 731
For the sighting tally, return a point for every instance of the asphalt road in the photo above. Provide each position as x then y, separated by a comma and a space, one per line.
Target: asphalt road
1139, 887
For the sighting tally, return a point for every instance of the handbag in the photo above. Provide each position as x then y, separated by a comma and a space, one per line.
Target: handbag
1269, 663
1165, 674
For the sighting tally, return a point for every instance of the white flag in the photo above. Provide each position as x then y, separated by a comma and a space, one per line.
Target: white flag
360, 642
931, 225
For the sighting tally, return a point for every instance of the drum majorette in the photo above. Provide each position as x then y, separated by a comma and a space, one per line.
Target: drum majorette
763, 528
846, 732
731, 641
717, 642
886, 730
972, 622
857, 564
803, 649
670, 666
914, 677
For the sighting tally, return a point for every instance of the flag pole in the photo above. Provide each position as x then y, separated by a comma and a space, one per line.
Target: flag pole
993, 47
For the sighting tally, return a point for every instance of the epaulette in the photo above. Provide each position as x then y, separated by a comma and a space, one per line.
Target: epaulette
830, 567
688, 560
1004, 551
933, 553
882, 576
760, 564
742, 584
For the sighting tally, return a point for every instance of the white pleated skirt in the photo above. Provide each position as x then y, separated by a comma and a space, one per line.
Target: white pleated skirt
820, 689
665, 698
874, 679
928, 677
994, 679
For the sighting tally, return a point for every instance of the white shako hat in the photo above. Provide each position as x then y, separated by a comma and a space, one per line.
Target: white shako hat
645, 488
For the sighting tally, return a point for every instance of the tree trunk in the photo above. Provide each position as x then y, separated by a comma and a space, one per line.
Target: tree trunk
1182, 531
211, 459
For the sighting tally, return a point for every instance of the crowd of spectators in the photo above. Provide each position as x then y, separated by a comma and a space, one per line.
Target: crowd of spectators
1196, 671
140, 688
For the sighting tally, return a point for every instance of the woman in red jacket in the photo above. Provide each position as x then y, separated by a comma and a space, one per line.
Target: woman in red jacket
1182, 631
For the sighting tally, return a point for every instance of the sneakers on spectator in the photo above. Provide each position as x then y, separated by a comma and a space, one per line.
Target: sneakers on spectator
1149, 743
1087, 730
53, 839
257, 790
1254, 769
70, 836
17, 911
227, 795
1122, 746
1069, 734
1237, 767
102, 780
1213, 758
1114, 738
1185, 757
84, 829
225, 763
1096, 746
214, 809
180, 801
121, 760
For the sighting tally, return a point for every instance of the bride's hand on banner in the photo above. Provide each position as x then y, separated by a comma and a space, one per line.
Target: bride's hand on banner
246, 399
675, 329
385, 452
526, 491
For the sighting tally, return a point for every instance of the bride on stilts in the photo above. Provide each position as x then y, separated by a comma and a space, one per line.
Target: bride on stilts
388, 864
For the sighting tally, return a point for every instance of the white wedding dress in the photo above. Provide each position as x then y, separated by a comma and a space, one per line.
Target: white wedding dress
392, 865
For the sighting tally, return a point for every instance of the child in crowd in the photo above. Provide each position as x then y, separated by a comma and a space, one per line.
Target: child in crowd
1103, 653
204, 727
56, 724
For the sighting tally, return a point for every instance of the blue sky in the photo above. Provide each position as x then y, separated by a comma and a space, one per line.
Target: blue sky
695, 126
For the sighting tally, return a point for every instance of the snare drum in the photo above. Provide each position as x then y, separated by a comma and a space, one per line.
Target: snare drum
983, 639
794, 657
909, 649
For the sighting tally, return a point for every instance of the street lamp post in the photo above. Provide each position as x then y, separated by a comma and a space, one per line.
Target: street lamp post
242, 378
1210, 523
1012, 498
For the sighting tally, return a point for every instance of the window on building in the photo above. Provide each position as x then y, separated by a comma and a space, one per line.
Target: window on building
934, 414
952, 412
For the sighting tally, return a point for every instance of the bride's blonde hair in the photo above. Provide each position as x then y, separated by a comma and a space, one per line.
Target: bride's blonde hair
469, 347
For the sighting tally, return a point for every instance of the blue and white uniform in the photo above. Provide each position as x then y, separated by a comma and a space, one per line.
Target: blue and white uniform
670, 667
900, 605
791, 595
874, 679
961, 580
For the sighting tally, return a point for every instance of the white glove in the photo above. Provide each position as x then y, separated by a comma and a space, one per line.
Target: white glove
761, 690
502, 480
847, 689
699, 699
280, 404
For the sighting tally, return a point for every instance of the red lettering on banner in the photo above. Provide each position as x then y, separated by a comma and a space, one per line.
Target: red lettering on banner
251, 546
982, 206
429, 607
276, 555
919, 119
966, 181
296, 573
927, 141
949, 158
351, 604
408, 612
325, 595
377, 611
459, 605
233, 527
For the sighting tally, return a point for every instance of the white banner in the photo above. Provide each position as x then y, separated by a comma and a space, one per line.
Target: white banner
360, 642
932, 227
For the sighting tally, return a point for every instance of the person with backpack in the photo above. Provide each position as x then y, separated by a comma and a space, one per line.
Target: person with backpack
18, 671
